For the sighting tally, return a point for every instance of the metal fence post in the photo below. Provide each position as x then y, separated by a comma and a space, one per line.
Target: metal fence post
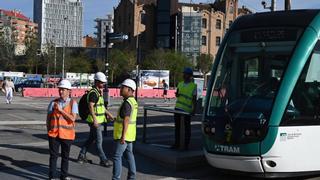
144, 133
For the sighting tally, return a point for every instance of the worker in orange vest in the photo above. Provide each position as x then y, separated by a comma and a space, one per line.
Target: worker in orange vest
62, 113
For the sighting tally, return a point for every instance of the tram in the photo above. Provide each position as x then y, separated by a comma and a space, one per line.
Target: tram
262, 109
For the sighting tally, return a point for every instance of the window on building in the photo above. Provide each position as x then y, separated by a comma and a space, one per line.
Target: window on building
218, 40
231, 9
204, 23
204, 40
218, 24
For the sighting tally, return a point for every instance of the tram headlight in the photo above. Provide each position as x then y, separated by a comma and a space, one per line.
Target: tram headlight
247, 132
213, 130
252, 132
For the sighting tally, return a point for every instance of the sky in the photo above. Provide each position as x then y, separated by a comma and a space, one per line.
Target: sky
100, 8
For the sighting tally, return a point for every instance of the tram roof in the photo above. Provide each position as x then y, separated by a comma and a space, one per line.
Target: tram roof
301, 18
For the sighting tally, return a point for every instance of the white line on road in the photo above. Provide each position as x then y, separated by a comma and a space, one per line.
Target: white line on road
22, 122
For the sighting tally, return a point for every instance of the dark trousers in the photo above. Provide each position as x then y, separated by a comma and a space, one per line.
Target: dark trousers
187, 130
54, 144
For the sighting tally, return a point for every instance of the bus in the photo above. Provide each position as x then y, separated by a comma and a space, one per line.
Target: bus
262, 109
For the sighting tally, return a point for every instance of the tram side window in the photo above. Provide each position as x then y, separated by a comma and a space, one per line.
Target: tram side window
304, 106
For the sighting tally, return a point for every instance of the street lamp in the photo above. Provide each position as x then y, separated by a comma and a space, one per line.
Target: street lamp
111, 38
64, 44
141, 12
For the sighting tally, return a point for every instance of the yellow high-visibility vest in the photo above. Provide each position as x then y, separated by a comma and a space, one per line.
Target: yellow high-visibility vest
184, 100
99, 108
132, 127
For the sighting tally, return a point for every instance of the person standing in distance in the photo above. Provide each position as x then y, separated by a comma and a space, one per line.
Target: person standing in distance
62, 113
9, 89
124, 131
186, 101
165, 90
97, 116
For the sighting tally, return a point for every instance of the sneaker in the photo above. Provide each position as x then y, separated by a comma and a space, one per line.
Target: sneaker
106, 163
82, 159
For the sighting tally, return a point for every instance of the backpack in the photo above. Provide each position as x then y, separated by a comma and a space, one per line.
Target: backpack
83, 105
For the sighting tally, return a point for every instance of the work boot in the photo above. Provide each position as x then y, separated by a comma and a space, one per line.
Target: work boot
82, 159
106, 163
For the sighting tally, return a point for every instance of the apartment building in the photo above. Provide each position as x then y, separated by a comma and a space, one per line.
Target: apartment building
103, 26
89, 42
60, 22
17, 28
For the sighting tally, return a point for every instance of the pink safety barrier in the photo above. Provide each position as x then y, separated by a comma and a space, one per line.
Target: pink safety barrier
113, 92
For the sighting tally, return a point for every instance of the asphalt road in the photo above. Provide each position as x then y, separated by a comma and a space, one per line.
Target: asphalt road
24, 146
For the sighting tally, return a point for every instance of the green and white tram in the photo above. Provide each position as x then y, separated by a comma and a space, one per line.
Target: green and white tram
262, 112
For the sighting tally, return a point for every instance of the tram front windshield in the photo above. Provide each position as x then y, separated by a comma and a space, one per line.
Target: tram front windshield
247, 80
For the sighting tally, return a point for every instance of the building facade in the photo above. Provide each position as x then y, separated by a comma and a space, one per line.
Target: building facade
103, 26
60, 22
17, 28
89, 42
136, 18
192, 29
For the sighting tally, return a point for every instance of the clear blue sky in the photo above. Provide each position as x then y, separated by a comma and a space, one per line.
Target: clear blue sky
99, 8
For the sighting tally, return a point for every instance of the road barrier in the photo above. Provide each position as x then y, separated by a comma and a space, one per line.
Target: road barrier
78, 92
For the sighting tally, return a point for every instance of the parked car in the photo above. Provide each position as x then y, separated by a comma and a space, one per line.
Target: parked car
29, 84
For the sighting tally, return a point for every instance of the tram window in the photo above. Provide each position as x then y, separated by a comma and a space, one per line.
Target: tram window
304, 106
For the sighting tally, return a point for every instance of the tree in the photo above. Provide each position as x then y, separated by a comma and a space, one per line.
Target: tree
31, 50
176, 63
121, 64
7, 49
156, 60
78, 63
204, 64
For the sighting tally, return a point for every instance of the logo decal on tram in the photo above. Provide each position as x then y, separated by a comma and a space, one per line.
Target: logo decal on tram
230, 149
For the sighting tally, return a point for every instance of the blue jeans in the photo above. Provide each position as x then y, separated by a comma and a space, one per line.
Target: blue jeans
94, 136
123, 149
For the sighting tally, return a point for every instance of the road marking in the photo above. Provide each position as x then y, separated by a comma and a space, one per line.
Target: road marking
16, 116
168, 178
22, 122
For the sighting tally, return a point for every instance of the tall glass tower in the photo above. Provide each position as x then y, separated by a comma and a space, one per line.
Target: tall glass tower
60, 22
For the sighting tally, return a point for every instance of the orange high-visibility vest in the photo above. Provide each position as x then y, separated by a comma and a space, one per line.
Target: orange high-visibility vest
59, 126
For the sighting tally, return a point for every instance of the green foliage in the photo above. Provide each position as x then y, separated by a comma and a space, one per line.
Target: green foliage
31, 59
121, 64
78, 64
204, 63
6, 50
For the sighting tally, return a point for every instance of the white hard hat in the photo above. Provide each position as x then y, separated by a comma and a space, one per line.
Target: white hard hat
64, 84
130, 83
100, 77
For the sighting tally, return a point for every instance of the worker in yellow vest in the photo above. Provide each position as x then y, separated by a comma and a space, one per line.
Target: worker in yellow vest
97, 116
186, 101
62, 113
124, 131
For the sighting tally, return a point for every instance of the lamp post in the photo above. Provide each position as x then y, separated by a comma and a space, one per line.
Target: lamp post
64, 44
110, 38
141, 12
